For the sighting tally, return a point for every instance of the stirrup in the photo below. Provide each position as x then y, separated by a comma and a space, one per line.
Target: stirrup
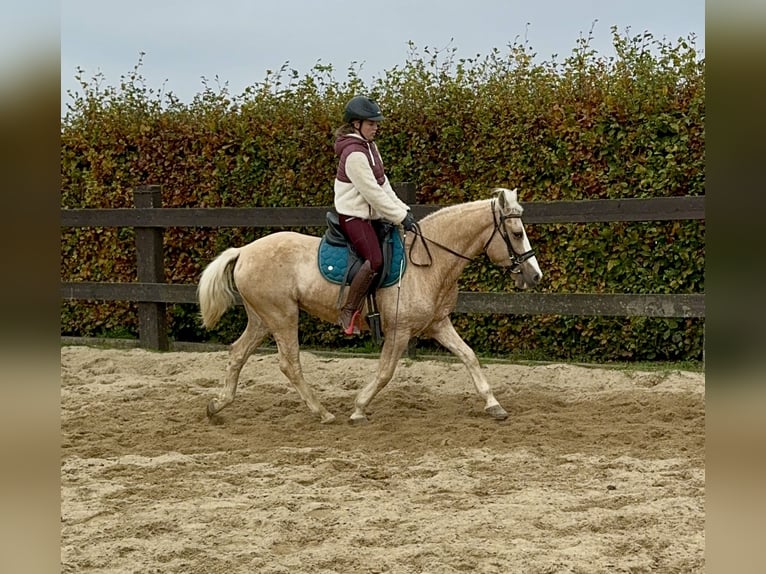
352, 328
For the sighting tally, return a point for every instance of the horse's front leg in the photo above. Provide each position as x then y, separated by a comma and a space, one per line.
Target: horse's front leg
444, 332
389, 357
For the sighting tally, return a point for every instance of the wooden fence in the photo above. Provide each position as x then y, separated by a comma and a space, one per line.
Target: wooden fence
152, 294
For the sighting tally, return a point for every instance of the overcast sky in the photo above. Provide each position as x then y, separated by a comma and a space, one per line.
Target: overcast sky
239, 40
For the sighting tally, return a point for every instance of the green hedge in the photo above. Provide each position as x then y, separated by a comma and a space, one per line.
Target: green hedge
584, 128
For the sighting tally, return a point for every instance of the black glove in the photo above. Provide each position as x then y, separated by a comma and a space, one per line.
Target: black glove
409, 222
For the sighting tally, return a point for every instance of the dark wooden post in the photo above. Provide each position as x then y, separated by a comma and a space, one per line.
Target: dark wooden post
406, 192
152, 321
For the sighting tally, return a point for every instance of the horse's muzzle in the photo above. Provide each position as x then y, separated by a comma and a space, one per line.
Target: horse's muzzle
525, 280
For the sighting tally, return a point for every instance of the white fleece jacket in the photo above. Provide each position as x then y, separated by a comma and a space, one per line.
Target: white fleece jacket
363, 197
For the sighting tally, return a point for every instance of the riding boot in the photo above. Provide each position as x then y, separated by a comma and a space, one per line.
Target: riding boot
350, 312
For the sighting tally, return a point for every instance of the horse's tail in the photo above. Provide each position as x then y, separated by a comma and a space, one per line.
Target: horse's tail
216, 291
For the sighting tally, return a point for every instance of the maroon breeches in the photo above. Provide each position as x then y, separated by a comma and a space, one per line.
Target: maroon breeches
363, 238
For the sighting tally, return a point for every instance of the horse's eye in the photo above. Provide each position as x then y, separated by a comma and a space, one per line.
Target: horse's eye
518, 235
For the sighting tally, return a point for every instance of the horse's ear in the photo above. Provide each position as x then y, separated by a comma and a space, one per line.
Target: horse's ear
501, 197
506, 197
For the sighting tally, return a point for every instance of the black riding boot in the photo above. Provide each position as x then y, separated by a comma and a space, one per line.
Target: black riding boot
350, 312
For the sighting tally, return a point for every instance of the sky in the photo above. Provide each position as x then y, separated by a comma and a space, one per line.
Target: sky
238, 41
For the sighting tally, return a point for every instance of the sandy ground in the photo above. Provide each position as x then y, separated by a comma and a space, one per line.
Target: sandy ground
596, 470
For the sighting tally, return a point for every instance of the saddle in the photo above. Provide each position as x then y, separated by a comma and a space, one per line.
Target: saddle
338, 262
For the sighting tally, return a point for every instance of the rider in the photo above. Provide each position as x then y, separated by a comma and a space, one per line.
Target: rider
363, 195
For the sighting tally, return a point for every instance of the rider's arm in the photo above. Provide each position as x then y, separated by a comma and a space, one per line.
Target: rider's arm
383, 201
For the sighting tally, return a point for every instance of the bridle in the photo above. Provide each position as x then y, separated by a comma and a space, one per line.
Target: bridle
516, 258
499, 219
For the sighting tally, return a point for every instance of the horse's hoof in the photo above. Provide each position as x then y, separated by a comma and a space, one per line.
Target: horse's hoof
211, 409
358, 420
496, 412
327, 418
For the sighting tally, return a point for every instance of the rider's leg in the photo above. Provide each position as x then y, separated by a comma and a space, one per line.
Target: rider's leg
365, 242
349, 313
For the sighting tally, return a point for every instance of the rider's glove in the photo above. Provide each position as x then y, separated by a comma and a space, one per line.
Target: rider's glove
408, 222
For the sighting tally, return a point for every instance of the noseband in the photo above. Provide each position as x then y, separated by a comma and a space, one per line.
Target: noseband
499, 222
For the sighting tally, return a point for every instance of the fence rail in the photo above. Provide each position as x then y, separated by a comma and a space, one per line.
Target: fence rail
152, 293
597, 304
586, 211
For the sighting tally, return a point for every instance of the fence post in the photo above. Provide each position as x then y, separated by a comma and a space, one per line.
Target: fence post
152, 320
406, 192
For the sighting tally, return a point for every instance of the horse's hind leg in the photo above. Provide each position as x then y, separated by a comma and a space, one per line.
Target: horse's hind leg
444, 332
290, 364
239, 352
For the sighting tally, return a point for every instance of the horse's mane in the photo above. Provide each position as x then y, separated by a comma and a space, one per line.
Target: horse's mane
514, 208
451, 209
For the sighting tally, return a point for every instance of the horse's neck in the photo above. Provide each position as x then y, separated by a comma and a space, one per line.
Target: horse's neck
464, 229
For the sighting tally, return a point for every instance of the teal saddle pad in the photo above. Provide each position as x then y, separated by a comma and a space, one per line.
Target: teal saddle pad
334, 260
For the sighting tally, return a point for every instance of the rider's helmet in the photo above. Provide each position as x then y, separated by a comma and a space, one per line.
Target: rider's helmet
362, 108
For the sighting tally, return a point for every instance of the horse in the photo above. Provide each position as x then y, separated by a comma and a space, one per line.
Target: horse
277, 275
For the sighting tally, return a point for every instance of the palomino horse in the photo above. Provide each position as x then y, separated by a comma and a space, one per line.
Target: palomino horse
277, 275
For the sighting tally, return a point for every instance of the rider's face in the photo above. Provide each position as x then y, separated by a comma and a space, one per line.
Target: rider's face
368, 129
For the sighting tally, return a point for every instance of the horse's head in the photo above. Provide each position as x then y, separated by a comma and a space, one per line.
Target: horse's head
509, 246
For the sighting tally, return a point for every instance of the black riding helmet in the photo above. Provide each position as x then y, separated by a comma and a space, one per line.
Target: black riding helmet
362, 108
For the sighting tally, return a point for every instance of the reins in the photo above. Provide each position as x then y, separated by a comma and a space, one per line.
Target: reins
499, 227
423, 239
